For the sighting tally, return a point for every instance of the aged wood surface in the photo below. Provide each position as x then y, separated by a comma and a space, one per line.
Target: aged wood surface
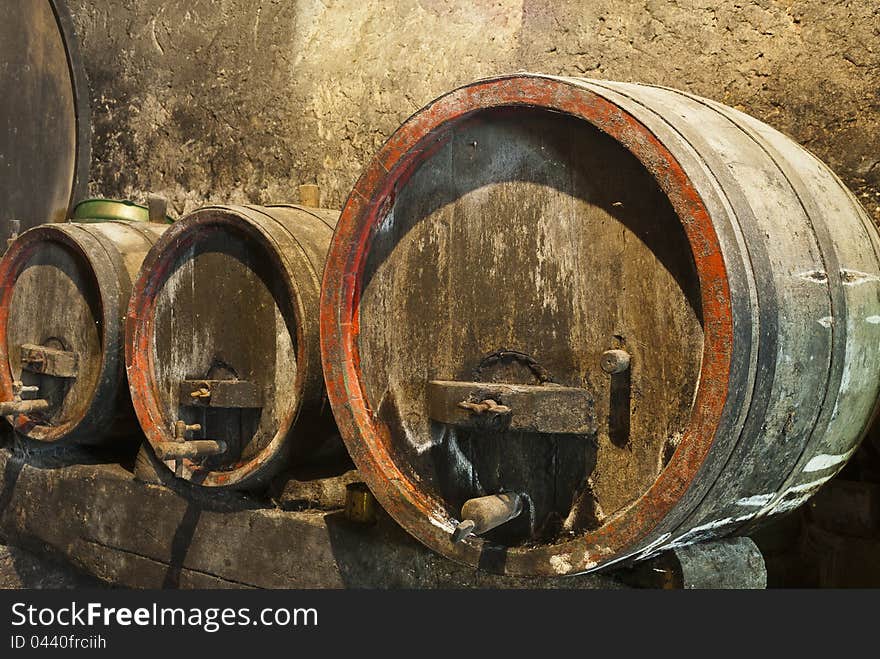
530, 408
815, 259
56, 301
44, 119
66, 287
220, 315
149, 536
536, 233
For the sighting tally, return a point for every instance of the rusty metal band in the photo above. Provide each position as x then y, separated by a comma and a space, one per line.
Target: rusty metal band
750, 405
837, 299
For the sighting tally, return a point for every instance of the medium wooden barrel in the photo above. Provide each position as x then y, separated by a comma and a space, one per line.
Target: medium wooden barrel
570, 322
222, 344
64, 290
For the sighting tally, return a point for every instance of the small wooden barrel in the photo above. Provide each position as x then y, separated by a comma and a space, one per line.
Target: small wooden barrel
569, 322
64, 290
222, 342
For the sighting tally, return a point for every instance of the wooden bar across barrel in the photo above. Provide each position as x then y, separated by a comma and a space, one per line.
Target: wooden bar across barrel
49, 361
533, 408
220, 393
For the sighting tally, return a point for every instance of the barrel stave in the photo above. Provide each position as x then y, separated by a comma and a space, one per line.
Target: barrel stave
794, 355
854, 389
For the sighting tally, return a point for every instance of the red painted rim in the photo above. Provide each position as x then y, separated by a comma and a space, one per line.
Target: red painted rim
369, 440
139, 334
11, 267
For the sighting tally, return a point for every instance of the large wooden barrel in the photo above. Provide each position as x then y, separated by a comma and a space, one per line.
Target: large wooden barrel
222, 342
45, 129
64, 290
570, 322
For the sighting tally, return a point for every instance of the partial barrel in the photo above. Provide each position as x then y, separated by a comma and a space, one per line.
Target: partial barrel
222, 343
101, 209
570, 322
64, 290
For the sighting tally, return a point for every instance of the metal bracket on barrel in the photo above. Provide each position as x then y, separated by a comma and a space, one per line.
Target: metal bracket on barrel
542, 409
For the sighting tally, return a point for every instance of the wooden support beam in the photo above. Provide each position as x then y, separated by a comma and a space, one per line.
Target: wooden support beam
126, 532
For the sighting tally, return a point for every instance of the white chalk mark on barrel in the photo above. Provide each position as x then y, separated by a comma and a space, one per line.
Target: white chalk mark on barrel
824, 461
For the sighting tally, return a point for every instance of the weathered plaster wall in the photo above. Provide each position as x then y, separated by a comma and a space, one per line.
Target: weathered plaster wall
242, 100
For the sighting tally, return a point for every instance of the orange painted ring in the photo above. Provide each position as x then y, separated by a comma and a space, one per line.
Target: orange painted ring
369, 440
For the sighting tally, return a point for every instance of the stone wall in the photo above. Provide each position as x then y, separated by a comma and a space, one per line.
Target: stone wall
242, 100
